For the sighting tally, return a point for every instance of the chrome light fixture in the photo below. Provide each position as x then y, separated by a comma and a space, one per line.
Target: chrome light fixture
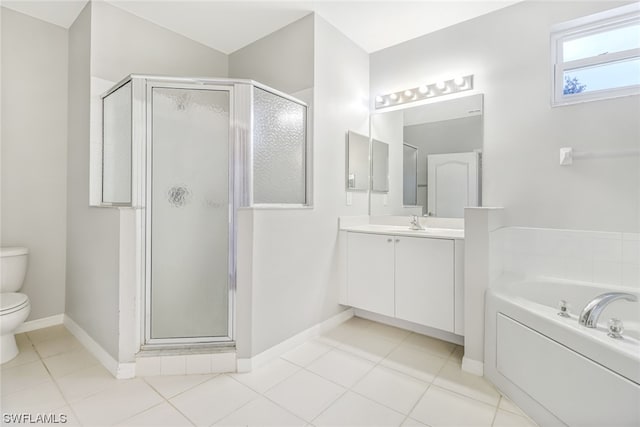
443, 87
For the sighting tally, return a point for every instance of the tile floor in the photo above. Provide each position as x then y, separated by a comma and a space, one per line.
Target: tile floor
360, 373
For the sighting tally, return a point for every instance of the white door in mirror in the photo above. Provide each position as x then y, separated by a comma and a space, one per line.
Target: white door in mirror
453, 183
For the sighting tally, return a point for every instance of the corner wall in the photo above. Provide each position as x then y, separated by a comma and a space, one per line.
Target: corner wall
295, 271
508, 51
34, 147
282, 59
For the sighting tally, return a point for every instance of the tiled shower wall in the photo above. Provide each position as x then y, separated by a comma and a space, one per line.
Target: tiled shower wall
590, 256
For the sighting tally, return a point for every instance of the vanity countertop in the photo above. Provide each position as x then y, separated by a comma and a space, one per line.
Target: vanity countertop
402, 230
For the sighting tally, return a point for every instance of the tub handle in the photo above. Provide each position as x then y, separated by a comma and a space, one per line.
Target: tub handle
564, 309
615, 328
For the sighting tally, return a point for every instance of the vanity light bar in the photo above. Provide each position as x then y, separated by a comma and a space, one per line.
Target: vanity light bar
444, 87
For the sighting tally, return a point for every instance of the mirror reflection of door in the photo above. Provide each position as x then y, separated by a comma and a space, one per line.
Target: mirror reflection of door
453, 183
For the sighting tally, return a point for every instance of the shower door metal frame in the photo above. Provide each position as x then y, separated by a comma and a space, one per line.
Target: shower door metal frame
188, 84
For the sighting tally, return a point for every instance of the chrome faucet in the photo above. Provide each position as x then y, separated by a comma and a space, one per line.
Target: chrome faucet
415, 223
591, 311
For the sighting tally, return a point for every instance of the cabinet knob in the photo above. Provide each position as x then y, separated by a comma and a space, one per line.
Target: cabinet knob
389, 240
397, 240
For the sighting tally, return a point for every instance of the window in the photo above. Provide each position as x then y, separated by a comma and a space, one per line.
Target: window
597, 57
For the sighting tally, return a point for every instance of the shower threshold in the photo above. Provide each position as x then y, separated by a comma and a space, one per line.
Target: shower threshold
150, 350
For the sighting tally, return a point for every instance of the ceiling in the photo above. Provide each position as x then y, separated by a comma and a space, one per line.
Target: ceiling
230, 25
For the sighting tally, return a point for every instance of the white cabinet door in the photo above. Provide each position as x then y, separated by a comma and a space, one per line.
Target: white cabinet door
424, 291
370, 272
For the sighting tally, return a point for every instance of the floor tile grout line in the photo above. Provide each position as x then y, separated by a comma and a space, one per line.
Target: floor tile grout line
382, 404
375, 365
183, 391
424, 393
180, 412
350, 389
495, 413
4, 395
216, 421
68, 403
55, 382
263, 395
326, 408
299, 368
464, 395
117, 423
336, 383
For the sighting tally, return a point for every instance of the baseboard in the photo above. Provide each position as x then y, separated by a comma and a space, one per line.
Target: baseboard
45, 322
118, 370
471, 366
410, 326
248, 364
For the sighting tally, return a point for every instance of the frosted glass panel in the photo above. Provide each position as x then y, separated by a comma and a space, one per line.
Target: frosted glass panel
190, 213
116, 146
279, 145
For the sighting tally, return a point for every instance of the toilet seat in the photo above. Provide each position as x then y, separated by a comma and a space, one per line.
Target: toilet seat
12, 302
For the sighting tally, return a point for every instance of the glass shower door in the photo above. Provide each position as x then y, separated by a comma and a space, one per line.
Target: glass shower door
188, 224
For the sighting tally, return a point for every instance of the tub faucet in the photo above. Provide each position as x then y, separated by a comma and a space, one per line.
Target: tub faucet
415, 223
591, 311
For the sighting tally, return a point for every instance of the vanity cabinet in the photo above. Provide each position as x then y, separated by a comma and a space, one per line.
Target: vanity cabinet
424, 287
409, 278
370, 272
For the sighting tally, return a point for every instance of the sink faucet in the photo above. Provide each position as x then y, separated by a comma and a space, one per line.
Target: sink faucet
415, 223
591, 311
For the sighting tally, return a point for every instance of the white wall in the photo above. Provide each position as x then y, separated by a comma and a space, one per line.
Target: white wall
92, 249
508, 52
123, 43
34, 147
295, 267
282, 59
105, 45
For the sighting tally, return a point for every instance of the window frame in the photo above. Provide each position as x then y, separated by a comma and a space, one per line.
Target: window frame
582, 27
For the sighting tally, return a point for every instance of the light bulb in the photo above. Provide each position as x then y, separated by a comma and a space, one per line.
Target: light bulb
408, 94
379, 99
423, 90
441, 85
393, 97
459, 81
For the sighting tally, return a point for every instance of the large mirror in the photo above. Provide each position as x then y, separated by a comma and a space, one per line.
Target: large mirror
357, 178
435, 157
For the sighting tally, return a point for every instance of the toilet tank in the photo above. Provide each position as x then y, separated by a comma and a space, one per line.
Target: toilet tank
13, 267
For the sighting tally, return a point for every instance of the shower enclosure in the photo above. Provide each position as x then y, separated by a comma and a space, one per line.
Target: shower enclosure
186, 153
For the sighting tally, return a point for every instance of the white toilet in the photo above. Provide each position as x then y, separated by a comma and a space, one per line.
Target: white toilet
14, 306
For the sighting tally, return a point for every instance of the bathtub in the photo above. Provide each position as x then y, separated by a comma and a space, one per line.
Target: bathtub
557, 371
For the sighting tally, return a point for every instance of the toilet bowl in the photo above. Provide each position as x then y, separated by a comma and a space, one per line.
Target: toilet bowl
14, 306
